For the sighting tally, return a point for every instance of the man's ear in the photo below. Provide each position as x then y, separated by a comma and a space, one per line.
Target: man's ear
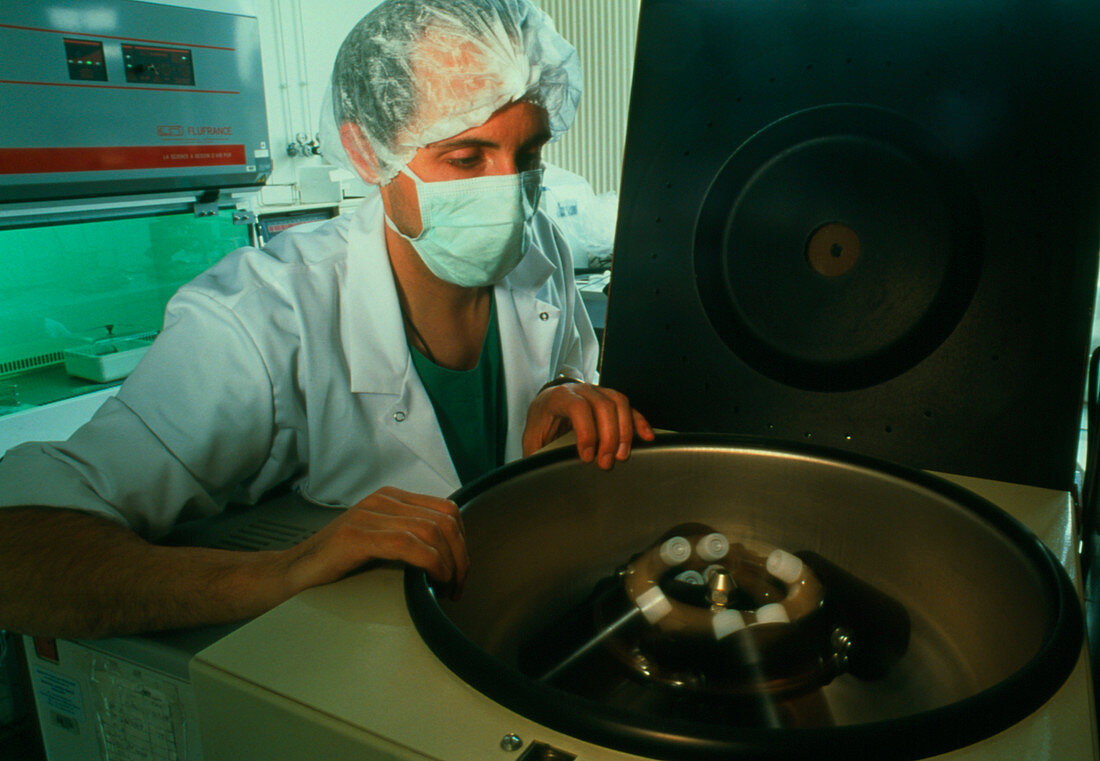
360, 152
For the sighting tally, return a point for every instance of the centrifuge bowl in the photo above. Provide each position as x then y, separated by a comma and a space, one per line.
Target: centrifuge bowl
996, 625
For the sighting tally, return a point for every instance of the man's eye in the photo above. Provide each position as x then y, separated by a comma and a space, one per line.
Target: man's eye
463, 162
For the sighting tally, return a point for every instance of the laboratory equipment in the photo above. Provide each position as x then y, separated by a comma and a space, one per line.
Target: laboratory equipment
131, 698
869, 225
378, 664
828, 226
109, 97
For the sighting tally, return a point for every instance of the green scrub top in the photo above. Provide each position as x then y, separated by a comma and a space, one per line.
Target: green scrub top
470, 406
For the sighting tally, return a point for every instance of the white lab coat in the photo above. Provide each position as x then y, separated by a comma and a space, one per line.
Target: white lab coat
292, 363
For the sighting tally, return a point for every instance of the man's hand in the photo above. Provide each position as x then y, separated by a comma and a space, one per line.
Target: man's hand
390, 524
603, 420
64, 573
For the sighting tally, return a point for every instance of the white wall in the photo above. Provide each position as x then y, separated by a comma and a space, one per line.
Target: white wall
604, 32
299, 41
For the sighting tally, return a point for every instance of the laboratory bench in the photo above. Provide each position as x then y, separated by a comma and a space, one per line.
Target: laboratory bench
41, 386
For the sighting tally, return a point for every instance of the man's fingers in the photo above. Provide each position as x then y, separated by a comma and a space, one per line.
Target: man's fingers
601, 418
418, 529
409, 547
609, 424
642, 426
437, 523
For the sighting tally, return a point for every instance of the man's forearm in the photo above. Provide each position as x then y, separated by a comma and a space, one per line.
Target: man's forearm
70, 574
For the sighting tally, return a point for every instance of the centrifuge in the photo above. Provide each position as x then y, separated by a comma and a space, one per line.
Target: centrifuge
854, 268
965, 640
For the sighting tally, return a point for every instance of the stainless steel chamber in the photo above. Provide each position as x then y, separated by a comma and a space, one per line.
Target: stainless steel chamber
996, 626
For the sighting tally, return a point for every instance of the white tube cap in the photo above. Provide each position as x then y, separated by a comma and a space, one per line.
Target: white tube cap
675, 550
710, 570
691, 577
653, 604
784, 566
726, 622
772, 613
712, 547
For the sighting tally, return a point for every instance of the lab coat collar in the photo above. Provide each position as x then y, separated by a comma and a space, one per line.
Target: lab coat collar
371, 327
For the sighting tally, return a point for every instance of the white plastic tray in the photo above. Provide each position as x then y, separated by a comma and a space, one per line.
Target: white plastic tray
106, 360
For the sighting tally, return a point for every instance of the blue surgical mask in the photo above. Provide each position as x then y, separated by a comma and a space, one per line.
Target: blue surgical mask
474, 230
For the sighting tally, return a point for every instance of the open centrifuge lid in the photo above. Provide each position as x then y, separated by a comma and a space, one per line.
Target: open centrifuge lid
869, 225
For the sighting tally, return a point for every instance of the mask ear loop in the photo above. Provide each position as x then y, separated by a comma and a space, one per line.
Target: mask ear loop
393, 226
413, 335
417, 183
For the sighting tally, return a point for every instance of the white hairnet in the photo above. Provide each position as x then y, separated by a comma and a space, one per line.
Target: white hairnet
413, 72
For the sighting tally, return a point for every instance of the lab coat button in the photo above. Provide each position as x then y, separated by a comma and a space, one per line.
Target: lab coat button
399, 416
544, 316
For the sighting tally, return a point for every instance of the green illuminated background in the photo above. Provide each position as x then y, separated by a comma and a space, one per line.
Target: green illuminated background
63, 285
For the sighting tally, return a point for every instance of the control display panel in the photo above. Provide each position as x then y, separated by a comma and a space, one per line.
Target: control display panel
158, 65
86, 61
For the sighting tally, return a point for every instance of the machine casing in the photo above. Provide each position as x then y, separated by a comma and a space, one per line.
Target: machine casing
123, 97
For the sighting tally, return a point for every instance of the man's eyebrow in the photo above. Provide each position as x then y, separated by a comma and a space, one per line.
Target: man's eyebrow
465, 142
478, 142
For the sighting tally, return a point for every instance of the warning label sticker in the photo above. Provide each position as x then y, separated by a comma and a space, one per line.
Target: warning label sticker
59, 693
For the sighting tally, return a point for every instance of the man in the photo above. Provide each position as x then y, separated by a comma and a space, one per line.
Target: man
436, 331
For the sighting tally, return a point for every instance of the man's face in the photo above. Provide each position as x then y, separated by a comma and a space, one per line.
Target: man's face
509, 142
